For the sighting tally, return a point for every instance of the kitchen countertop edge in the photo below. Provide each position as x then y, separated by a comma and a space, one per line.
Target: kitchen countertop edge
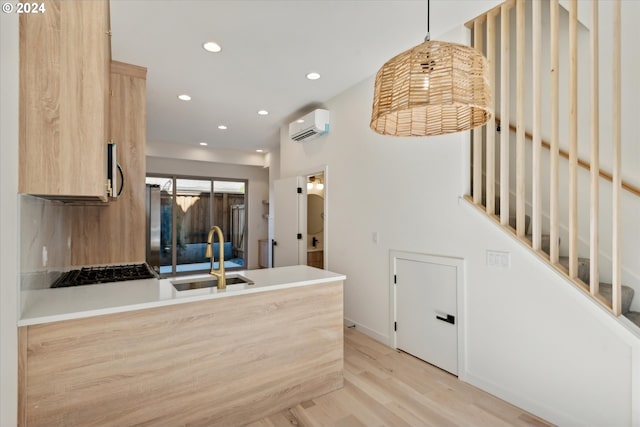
55, 305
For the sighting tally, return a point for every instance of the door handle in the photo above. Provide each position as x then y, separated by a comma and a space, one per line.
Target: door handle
449, 319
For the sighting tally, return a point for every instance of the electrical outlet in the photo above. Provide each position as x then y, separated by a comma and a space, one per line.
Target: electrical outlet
498, 259
45, 257
374, 237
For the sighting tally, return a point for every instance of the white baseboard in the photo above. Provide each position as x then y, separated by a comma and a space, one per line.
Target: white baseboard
384, 339
548, 414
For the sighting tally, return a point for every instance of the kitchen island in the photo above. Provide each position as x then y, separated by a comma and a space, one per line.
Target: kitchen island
141, 352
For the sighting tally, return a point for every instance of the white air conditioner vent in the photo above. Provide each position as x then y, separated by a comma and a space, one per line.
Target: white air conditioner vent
311, 126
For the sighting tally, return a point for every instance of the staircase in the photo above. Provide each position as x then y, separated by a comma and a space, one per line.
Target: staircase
506, 173
584, 268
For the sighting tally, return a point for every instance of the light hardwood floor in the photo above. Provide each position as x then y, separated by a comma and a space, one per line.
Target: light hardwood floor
385, 387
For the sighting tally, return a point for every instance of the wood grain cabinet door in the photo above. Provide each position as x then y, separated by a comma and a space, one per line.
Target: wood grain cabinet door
64, 86
123, 220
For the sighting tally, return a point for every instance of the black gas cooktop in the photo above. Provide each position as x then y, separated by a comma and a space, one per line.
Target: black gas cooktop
113, 273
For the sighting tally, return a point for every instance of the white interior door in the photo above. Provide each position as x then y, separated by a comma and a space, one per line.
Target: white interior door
426, 312
286, 222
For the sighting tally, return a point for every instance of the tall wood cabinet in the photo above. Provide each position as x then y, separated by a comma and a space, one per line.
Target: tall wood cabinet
65, 56
116, 233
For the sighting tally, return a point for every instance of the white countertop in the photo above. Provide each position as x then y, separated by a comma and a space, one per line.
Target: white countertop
52, 305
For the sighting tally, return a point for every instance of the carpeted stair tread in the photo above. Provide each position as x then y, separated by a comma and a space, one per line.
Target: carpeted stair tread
583, 267
634, 316
627, 295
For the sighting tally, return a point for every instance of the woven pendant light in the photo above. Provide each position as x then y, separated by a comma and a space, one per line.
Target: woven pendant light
434, 88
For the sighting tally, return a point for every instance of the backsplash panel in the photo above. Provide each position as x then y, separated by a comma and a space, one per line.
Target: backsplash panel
43, 224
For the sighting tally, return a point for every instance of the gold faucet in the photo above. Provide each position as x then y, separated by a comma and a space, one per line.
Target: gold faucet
219, 273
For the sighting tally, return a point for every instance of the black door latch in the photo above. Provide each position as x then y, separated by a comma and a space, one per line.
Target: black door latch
449, 319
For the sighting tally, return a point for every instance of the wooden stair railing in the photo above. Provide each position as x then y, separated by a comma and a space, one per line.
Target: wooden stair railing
581, 162
484, 39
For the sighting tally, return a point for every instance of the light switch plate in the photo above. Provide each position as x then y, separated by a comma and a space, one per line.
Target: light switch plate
498, 259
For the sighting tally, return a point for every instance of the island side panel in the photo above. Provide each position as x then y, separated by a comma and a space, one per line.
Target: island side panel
218, 362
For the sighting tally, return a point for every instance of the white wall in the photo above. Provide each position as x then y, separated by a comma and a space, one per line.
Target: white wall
258, 190
531, 338
9, 266
203, 154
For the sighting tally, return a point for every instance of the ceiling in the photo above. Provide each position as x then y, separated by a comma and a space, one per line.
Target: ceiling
268, 47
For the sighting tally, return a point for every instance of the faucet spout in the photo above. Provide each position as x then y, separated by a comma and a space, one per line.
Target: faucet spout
219, 273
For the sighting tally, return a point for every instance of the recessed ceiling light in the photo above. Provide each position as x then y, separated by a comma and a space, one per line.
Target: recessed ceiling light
263, 112
222, 127
313, 76
259, 151
212, 47
204, 143
184, 97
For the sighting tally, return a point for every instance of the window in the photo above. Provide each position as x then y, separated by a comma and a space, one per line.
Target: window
188, 208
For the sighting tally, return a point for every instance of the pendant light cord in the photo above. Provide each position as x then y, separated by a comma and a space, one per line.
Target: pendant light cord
428, 37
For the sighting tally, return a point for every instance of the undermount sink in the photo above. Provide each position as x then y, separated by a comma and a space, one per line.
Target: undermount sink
209, 282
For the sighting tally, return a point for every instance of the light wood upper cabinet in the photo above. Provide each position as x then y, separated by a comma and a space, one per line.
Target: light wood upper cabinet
65, 56
116, 233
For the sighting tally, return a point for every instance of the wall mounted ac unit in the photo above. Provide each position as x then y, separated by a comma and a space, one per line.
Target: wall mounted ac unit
311, 126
